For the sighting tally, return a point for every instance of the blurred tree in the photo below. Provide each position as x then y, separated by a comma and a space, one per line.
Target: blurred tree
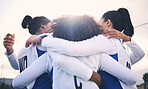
145, 78
5, 86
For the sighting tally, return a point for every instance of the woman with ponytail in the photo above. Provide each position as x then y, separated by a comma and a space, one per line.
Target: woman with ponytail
119, 20
77, 28
97, 45
26, 56
37, 25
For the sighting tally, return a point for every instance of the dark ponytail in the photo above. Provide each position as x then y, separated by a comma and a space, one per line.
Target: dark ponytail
26, 21
126, 22
34, 24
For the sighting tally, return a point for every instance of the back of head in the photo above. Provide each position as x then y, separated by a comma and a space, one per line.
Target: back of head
121, 20
33, 24
75, 28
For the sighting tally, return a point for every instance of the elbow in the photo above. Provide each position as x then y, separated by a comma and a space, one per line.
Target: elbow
142, 54
17, 85
15, 68
13, 84
138, 57
133, 80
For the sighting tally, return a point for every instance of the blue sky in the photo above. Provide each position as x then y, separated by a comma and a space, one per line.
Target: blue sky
13, 11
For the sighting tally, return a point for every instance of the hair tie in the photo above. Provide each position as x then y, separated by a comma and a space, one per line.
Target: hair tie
27, 26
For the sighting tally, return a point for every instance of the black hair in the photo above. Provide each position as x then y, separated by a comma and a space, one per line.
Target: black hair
33, 24
121, 20
75, 28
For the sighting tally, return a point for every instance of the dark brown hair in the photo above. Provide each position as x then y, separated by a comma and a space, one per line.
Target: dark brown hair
75, 28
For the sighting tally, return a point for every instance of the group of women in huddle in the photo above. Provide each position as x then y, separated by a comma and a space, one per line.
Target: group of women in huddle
76, 52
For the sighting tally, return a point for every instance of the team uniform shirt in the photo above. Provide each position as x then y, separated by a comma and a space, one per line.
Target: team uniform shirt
65, 80
92, 46
24, 59
127, 76
124, 76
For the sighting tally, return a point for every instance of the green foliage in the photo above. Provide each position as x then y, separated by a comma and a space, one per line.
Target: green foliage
5, 86
145, 77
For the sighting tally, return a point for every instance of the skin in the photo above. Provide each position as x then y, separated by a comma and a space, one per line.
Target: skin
105, 25
8, 42
45, 29
112, 33
95, 76
117, 34
9, 39
108, 30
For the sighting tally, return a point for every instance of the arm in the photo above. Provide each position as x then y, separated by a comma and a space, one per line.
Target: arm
72, 65
68, 64
38, 67
87, 47
137, 52
13, 61
8, 43
111, 66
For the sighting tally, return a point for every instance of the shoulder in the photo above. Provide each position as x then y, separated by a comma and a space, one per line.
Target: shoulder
22, 52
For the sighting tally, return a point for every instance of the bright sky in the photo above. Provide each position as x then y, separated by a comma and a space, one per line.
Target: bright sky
13, 11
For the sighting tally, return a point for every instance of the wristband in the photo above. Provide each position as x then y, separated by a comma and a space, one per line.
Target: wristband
41, 37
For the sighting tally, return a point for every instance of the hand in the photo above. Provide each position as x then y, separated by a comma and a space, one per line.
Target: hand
96, 78
32, 39
112, 33
8, 43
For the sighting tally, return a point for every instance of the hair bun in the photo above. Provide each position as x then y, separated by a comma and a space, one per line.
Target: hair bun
26, 21
123, 11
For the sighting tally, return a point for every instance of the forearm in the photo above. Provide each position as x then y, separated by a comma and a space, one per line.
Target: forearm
9, 51
137, 52
12, 60
87, 47
111, 66
72, 65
